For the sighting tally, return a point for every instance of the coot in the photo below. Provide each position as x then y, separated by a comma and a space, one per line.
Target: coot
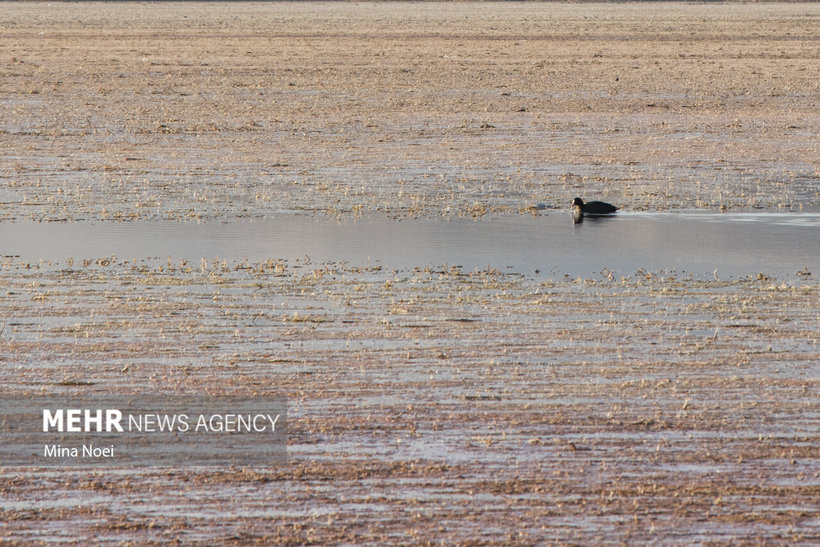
593, 208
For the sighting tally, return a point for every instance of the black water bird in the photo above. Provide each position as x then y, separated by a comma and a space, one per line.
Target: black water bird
593, 208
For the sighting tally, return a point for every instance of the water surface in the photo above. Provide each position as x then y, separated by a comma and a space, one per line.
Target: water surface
549, 244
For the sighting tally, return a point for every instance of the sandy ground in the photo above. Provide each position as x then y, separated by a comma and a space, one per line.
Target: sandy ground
428, 404
231, 110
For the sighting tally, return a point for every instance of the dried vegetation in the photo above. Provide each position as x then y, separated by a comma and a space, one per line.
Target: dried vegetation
207, 111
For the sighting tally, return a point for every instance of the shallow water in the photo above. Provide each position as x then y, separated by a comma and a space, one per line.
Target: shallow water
550, 244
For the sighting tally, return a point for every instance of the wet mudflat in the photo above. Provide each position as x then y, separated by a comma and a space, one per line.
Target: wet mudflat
431, 398
422, 400
187, 111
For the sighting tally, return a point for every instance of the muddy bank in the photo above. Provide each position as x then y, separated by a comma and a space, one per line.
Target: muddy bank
209, 111
421, 401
